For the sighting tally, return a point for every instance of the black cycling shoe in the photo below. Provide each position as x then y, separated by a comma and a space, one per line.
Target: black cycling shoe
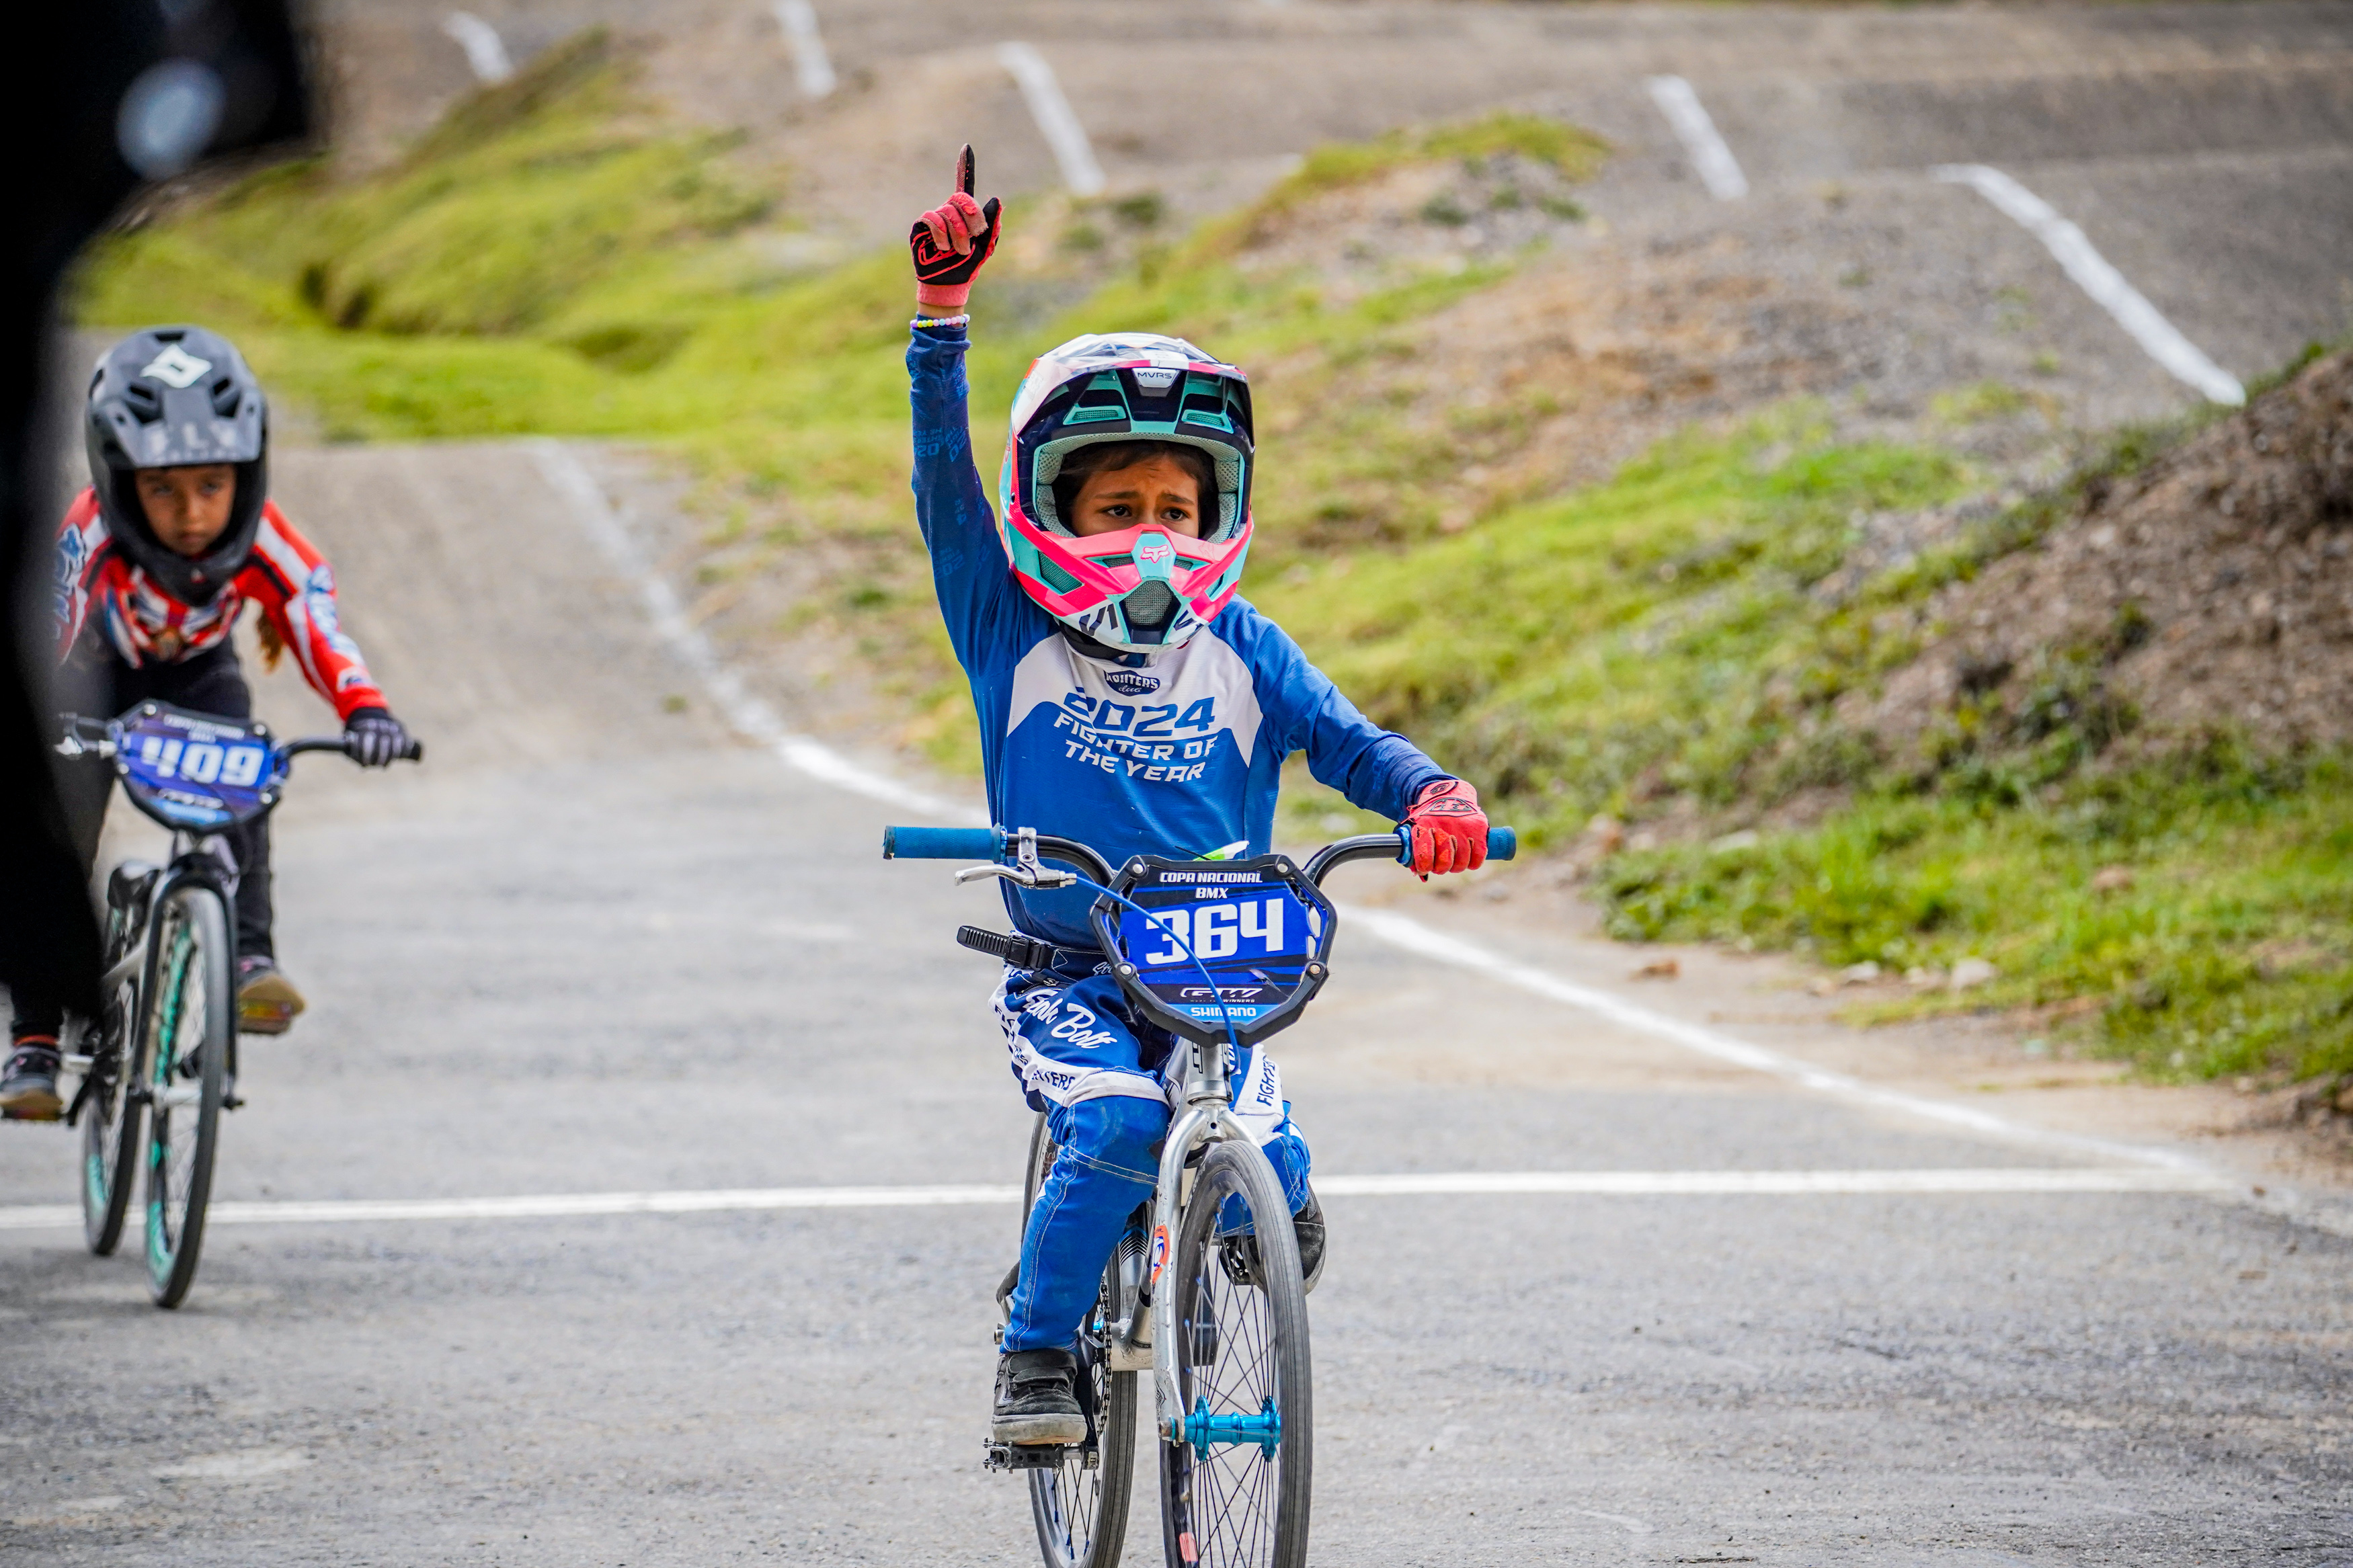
1036, 1400
1308, 1224
1240, 1261
28, 1085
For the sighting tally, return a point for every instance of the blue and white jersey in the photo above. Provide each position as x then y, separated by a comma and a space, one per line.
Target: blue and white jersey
1178, 756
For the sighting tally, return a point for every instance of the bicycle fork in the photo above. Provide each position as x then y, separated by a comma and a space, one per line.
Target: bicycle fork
1204, 1122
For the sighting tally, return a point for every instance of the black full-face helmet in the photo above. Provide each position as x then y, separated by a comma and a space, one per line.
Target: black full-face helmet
170, 397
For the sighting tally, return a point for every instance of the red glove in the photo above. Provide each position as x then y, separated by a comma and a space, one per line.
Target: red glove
950, 242
1449, 831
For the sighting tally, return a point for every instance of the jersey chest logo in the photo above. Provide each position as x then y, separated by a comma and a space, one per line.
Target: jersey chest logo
1166, 724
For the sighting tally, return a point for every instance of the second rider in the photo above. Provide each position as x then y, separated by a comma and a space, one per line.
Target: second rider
1127, 699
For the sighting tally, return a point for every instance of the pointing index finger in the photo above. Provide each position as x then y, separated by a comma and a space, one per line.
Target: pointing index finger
965, 170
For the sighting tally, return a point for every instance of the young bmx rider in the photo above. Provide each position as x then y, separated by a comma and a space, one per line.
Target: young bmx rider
1129, 699
154, 561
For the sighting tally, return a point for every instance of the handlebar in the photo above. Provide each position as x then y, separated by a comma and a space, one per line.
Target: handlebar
986, 844
412, 753
1397, 845
79, 735
990, 843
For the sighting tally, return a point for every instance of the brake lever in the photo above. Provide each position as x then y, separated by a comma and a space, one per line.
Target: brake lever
1020, 876
1024, 871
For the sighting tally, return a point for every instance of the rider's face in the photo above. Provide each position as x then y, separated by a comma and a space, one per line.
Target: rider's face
1157, 490
188, 507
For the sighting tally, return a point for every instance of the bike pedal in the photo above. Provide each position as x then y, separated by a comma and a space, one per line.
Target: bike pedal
1024, 1456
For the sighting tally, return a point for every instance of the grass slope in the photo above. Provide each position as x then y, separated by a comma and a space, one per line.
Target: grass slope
554, 259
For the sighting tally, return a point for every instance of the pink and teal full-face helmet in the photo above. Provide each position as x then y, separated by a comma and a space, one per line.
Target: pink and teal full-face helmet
1142, 589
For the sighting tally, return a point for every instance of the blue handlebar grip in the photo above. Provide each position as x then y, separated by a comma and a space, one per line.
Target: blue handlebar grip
943, 843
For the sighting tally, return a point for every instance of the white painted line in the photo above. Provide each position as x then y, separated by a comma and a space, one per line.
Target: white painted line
486, 52
811, 66
2092, 273
1439, 1183
1719, 170
1056, 120
1766, 1183
751, 717
1405, 931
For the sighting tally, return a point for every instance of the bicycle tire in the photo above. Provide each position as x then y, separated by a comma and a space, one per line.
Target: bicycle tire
1082, 1513
111, 1126
1241, 1348
191, 1017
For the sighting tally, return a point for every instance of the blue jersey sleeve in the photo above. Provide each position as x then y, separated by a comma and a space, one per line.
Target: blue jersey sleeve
968, 566
1378, 770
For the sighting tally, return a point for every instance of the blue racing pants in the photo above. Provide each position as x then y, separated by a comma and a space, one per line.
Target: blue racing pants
1107, 1085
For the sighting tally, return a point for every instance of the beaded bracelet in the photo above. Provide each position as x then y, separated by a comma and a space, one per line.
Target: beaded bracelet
962, 320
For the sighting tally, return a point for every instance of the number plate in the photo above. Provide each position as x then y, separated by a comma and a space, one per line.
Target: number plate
194, 770
1259, 929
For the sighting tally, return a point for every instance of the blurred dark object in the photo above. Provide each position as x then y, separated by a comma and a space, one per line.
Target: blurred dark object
109, 94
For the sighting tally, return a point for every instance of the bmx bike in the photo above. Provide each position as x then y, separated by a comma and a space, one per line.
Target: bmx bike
1203, 1291
158, 1065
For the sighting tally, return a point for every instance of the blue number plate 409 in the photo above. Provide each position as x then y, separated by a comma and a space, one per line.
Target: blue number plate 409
194, 770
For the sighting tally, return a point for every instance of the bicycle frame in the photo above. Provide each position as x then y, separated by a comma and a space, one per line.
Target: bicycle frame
196, 856
1208, 1092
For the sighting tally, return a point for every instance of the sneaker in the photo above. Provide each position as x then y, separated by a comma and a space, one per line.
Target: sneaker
265, 1000
1036, 1400
28, 1087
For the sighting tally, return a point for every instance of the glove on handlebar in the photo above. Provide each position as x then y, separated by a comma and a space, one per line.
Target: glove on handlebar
950, 242
1449, 830
373, 737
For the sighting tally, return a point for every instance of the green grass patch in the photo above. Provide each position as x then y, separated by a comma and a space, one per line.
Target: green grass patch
1570, 149
1625, 643
2217, 943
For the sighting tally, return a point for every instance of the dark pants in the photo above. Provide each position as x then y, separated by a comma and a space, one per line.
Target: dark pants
210, 682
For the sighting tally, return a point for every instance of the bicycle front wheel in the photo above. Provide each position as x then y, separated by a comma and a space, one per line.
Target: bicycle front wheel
1234, 1480
191, 1012
1080, 1505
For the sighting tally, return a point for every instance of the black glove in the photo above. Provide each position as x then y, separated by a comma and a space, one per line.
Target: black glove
373, 737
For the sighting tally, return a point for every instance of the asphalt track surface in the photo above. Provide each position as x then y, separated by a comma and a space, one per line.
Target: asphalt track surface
599, 946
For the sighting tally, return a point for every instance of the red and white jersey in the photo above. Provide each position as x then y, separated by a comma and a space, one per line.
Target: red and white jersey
289, 580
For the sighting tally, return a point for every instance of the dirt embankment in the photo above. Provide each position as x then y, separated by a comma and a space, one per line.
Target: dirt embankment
2212, 590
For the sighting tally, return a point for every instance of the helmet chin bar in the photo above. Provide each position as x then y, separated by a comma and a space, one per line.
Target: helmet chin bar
1150, 608
1112, 627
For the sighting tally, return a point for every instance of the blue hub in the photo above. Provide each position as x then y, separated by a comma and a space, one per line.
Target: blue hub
1204, 1431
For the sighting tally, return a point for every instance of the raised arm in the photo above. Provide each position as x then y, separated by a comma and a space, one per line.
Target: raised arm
948, 244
